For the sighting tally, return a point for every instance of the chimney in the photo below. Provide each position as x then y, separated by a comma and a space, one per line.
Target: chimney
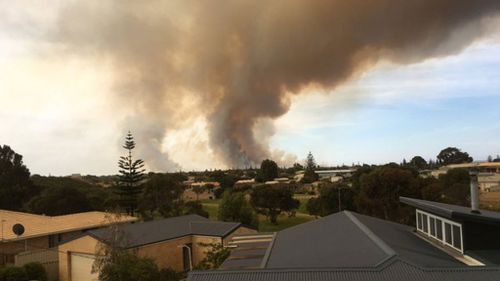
474, 193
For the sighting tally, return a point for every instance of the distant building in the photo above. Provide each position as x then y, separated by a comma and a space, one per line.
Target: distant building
485, 167
199, 190
334, 175
489, 182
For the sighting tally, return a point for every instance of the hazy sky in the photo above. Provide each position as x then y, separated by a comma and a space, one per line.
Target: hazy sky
57, 112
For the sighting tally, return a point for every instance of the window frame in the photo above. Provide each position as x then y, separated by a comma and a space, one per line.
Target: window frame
428, 216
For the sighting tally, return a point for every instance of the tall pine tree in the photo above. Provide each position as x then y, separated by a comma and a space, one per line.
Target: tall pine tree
131, 174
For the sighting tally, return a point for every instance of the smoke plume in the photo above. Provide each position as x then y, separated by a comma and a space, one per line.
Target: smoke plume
238, 62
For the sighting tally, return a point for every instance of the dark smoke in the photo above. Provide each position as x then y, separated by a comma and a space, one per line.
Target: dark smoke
243, 59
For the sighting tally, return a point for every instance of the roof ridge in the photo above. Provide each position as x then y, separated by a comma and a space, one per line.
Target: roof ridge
377, 240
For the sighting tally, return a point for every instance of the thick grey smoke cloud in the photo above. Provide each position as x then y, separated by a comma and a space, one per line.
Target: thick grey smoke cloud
242, 60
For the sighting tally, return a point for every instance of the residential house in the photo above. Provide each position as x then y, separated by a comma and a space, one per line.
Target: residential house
42, 234
178, 243
199, 190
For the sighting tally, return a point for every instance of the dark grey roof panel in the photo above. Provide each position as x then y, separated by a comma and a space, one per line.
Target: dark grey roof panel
452, 211
407, 244
242, 263
332, 241
394, 270
143, 233
213, 228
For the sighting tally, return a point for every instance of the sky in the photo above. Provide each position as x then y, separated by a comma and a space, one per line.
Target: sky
57, 112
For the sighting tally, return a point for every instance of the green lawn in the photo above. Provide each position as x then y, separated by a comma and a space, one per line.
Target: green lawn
212, 207
283, 222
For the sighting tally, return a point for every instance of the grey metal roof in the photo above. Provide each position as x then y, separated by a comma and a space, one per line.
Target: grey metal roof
452, 211
348, 239
394, 269
350, 246
143, 233
332, 241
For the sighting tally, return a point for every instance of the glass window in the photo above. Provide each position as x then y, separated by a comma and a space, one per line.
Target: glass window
457, 237
424, 220
419, 221
432, 226
439, 229
447, 233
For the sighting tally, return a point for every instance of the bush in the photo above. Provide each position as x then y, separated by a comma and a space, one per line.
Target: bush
13, 273
35, 271
168, 274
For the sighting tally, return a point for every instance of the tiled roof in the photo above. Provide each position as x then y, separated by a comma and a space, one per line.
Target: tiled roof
39, 225
144, 233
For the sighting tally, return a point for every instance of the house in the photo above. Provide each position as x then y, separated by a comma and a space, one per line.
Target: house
489, 182
350, 246
172, 242
42, 234
487, 167
199, 190
334, 175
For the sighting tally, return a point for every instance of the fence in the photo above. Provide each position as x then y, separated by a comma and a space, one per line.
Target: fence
49, 258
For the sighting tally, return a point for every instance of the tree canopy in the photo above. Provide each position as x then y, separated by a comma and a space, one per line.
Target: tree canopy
419, 163
453, 155
271, 200
234, 207
162, 194
131, 174
15, 184
268, 170
309, 174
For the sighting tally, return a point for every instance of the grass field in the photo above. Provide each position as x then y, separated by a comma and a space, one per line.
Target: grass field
212, 207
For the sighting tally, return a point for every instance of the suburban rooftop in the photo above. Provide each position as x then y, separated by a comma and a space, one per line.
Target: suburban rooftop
40, 225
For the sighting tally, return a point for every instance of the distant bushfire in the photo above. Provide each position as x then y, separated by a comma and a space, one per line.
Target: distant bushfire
239, 62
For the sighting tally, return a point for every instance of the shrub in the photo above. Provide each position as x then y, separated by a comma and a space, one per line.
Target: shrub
35, 271
13, 273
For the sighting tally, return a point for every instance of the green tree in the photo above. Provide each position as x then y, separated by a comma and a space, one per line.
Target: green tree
13, 273
380, 190
328, 200
271, 200
234, 207
194, 207
131, 174
455, 187
314, 207
418, 162
453, 155
214, 256
268, 170
129, 267
309, 174
162, 194
59, 200
15, 184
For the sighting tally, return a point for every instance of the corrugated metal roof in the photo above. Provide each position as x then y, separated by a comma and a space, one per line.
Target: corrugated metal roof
39, 225
144, 233
394, 269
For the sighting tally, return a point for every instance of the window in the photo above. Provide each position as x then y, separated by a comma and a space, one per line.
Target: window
419, 221
457, 237
432, 226
424, 218
446, 231
439, 229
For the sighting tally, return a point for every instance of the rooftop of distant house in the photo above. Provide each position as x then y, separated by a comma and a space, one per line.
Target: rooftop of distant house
41, 225
143, 233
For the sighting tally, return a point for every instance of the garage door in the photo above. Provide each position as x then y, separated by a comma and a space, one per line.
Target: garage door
81, 267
